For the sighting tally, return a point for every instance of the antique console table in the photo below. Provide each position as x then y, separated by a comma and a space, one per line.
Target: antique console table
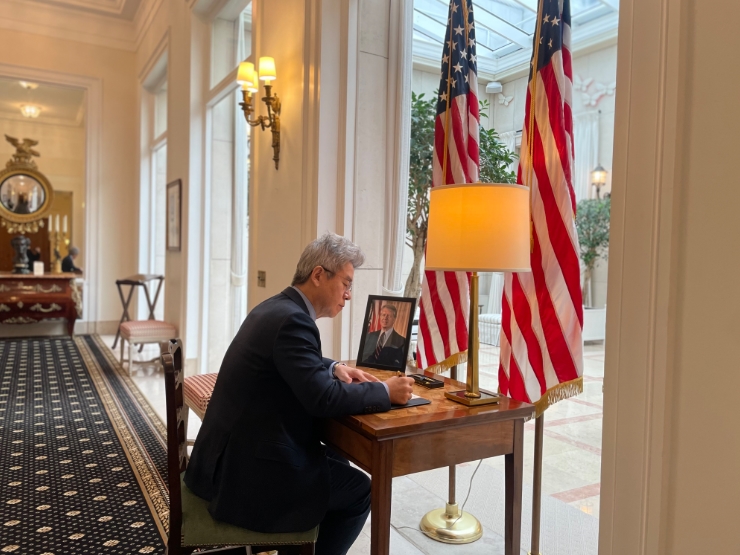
26, 299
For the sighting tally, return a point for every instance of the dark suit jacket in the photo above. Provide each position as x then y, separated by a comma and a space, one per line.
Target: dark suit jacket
68, 265
257, 457
391, 353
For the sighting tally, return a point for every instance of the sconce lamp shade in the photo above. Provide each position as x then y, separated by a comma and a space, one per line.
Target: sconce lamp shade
255, 82
479, 227
245, 73
267, 69
598, 175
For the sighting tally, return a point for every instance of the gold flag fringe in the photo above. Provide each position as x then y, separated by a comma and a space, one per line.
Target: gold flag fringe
558, 393
449, 362
553, 395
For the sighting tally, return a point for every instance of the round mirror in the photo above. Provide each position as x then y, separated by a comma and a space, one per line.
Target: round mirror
22, 194
25, 195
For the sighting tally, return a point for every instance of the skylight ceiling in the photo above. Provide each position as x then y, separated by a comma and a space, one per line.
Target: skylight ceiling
504, 29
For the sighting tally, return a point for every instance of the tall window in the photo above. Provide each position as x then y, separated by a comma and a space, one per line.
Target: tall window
226, 218
152, 245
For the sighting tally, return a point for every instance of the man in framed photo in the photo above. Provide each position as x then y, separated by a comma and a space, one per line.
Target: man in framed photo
385, 346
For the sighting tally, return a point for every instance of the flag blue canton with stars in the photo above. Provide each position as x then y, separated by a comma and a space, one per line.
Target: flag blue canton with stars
458, 56
555, 18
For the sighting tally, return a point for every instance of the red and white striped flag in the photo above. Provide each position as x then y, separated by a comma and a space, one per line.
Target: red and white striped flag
445, 296
542, 320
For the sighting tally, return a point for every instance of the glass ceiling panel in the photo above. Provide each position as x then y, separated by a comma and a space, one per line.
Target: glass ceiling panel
504, 28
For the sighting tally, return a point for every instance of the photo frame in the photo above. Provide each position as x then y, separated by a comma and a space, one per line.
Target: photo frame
391, 318
174, 215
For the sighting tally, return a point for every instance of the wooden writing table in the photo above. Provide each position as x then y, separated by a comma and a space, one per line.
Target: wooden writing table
421, 438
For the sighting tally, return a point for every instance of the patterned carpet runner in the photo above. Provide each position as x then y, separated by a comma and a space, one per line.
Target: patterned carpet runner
82, 454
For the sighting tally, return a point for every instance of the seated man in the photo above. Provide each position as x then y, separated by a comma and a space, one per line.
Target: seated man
257, 457
68, 262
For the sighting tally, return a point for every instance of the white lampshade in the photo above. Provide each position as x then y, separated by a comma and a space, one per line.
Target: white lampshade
267, 68
479, 227
254, 85
245, 73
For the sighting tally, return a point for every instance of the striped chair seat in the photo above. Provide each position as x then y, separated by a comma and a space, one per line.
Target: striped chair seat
137, 332
147, 331
197, 392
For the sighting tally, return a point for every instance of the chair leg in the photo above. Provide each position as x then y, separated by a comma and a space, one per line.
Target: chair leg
130, 356
122, 341
185, 414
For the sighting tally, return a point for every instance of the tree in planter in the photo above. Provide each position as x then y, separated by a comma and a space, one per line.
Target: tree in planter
495, 161
592, 223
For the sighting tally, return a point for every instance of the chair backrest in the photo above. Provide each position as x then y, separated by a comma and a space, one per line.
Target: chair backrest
177, 454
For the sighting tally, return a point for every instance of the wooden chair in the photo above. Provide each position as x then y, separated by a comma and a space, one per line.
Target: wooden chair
139, 332
191, 525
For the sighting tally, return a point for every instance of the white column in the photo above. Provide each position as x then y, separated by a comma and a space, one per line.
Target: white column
398, 118
670, 439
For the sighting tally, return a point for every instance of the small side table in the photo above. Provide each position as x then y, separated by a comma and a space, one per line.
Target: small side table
142, 280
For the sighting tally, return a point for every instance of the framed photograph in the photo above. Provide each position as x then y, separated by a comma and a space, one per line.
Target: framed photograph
386, 332
174, 214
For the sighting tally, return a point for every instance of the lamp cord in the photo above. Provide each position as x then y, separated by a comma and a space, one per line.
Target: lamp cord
470, 489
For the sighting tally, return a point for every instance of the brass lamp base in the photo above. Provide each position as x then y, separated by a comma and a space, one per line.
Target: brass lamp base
484, 399
449, 525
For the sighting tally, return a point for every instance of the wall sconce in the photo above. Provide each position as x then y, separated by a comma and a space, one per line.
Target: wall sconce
249, 79
598, 179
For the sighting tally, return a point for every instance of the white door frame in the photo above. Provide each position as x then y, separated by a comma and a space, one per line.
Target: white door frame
643, 251
93, 123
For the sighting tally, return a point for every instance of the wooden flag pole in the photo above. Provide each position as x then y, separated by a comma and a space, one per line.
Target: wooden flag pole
539, 421
539, 424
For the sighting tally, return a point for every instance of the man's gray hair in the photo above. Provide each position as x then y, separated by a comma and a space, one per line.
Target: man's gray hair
392, 308
331, 251
74, 251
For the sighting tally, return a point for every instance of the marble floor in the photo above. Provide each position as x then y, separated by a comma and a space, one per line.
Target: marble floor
570, 472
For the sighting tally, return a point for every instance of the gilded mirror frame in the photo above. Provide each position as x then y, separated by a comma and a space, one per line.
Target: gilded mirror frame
20, 223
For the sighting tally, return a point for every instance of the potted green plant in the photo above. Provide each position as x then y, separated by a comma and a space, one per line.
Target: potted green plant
592, 223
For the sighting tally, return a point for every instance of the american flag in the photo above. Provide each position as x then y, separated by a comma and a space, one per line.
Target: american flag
445, 296
542, 320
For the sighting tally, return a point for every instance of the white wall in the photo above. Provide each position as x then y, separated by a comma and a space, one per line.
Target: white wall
702, 485
333, 168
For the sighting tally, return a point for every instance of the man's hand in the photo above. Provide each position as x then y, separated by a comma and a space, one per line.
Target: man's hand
347, 374
399, 389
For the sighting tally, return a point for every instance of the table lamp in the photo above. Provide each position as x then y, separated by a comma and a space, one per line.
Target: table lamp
478, 227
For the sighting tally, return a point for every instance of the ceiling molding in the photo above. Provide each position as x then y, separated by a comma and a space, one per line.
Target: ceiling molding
114, 8
64, 23
51, 20
60, 122
144, 17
